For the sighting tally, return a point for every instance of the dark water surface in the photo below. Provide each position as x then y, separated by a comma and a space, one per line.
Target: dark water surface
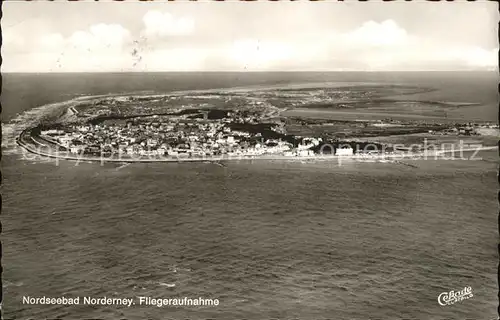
269, 239
23, 92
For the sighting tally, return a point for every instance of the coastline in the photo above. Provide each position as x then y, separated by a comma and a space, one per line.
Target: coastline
27, 141
124, 158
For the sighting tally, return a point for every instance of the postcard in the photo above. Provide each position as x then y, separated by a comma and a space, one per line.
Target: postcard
249, 160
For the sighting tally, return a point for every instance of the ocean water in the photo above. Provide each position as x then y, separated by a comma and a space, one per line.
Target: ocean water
269, 239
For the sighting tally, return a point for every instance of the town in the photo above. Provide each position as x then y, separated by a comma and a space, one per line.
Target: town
189, 133
240, 124
203, 133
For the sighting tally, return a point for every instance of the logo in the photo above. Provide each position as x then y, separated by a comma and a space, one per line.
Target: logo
452, 297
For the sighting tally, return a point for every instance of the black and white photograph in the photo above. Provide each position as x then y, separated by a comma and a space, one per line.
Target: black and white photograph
230, 160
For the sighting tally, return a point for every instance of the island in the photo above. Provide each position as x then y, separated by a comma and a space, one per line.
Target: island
304, 122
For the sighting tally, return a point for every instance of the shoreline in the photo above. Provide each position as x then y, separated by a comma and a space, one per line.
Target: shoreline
64, 155
27, 141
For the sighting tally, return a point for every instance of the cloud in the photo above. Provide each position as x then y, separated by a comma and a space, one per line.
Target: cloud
372, 45
477, 57
12, 42
377, 34
387, 46
111, 47
101, 47
158, 24
375, 46
100, 37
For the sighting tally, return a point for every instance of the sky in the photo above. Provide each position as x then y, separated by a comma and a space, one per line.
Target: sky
88, 36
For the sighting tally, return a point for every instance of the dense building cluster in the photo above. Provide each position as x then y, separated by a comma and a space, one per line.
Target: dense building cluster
184, 135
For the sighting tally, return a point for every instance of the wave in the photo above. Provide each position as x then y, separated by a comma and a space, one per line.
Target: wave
168, 285
7, 283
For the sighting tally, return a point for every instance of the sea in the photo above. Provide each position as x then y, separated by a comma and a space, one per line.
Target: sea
267, 239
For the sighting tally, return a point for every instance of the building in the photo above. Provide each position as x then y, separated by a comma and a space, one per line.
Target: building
344, 152
77, 149
52, 132
305, 153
